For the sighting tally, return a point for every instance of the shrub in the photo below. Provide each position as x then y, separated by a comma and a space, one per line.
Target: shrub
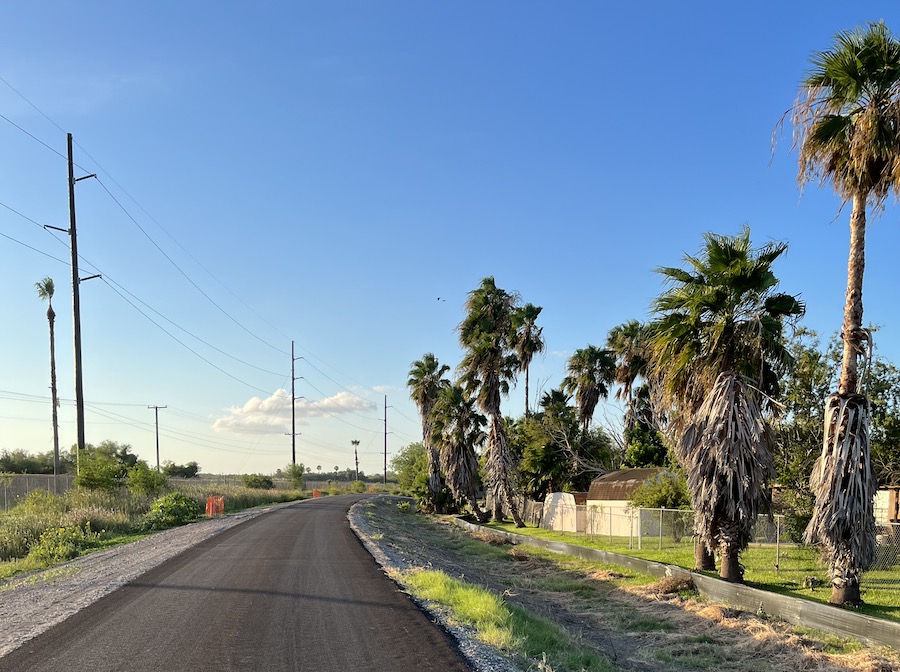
58, 544
100, 472
357, 487
258, 481
143, 480
172, 510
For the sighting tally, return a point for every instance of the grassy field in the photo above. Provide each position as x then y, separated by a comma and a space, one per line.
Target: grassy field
45, 529
780, 570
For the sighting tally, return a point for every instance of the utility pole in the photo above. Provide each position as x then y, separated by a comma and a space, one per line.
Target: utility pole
385, 440
156, 412
294, 398
76, 302
355, 443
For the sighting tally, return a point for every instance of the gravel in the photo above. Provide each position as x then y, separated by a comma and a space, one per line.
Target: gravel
34, 602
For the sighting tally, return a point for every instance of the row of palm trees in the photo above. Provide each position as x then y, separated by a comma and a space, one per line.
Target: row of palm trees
705, 369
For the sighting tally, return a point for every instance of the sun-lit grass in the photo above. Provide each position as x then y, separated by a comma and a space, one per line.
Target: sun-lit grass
880, 591
504, 626
117, 516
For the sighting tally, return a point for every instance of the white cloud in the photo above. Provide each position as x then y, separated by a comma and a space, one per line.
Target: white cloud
273, 415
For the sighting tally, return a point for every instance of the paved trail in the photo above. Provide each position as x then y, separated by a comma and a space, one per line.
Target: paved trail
290, 590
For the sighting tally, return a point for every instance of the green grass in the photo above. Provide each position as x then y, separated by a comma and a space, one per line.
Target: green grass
880, 590
116, 516
505, 626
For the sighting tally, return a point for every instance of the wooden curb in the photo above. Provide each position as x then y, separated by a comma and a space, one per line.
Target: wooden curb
870, 631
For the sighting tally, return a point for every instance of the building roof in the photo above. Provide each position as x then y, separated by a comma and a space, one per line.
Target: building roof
618, 485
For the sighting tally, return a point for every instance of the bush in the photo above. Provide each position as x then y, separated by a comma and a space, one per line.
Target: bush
172, 510
258, 481
58, 544
357, 487
142, 480
100, 472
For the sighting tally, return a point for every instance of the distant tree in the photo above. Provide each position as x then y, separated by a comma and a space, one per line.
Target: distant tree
528, 340
295, 474
143, 480
665, 490
590, 372
21, 462
189, 470
45, 289
259, 481
425, 382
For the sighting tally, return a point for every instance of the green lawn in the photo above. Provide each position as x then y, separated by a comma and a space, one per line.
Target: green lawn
780, 569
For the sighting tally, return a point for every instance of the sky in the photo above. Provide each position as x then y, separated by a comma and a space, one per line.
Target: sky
341, 174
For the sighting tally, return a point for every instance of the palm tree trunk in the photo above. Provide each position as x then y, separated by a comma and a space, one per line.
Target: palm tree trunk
853, 309
730, 569
434, 478
51, 318
704, 560
526, 392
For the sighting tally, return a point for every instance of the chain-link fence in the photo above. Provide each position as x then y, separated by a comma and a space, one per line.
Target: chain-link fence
13, 487
670, 531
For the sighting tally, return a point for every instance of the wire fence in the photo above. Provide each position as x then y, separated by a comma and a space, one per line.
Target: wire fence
642, 531
13, 487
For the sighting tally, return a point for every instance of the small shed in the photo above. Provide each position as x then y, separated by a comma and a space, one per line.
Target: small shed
608, 508
563, 511
617, 486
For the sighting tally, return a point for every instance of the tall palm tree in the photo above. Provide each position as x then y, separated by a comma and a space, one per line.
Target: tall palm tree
528, 340
486, 371
426, 380
627, 342
45, 290
457, 429
355, 444
716, 347
847, 125
591, 371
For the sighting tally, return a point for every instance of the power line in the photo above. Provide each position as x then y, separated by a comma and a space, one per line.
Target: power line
185, 275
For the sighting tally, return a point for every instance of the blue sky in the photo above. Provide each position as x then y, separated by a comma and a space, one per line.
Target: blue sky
324, 171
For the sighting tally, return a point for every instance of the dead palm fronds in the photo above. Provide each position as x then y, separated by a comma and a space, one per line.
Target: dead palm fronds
844, 485
728, 451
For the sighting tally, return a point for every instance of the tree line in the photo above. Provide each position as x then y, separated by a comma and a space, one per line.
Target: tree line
717, 381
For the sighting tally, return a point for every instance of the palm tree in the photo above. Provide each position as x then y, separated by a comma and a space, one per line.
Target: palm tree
591, 371
45, 289
355, 444
627, 342
715, 348
486, 371
528, 340
457, 428
847, 125
425, 383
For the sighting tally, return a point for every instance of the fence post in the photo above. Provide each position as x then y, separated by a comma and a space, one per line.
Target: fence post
777, 544
640, 521
630, 528
610, 525
660, 527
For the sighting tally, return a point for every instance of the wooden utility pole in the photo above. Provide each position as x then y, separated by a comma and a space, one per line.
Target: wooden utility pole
76, 305
156, 412
385, 440
355, 443
294, 433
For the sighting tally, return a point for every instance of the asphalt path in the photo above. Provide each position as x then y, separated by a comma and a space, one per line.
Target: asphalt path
293, 589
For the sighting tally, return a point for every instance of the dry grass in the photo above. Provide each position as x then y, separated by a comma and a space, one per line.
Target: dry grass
639, 623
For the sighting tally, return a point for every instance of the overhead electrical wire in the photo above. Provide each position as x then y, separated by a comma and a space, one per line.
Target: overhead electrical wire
111, 283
